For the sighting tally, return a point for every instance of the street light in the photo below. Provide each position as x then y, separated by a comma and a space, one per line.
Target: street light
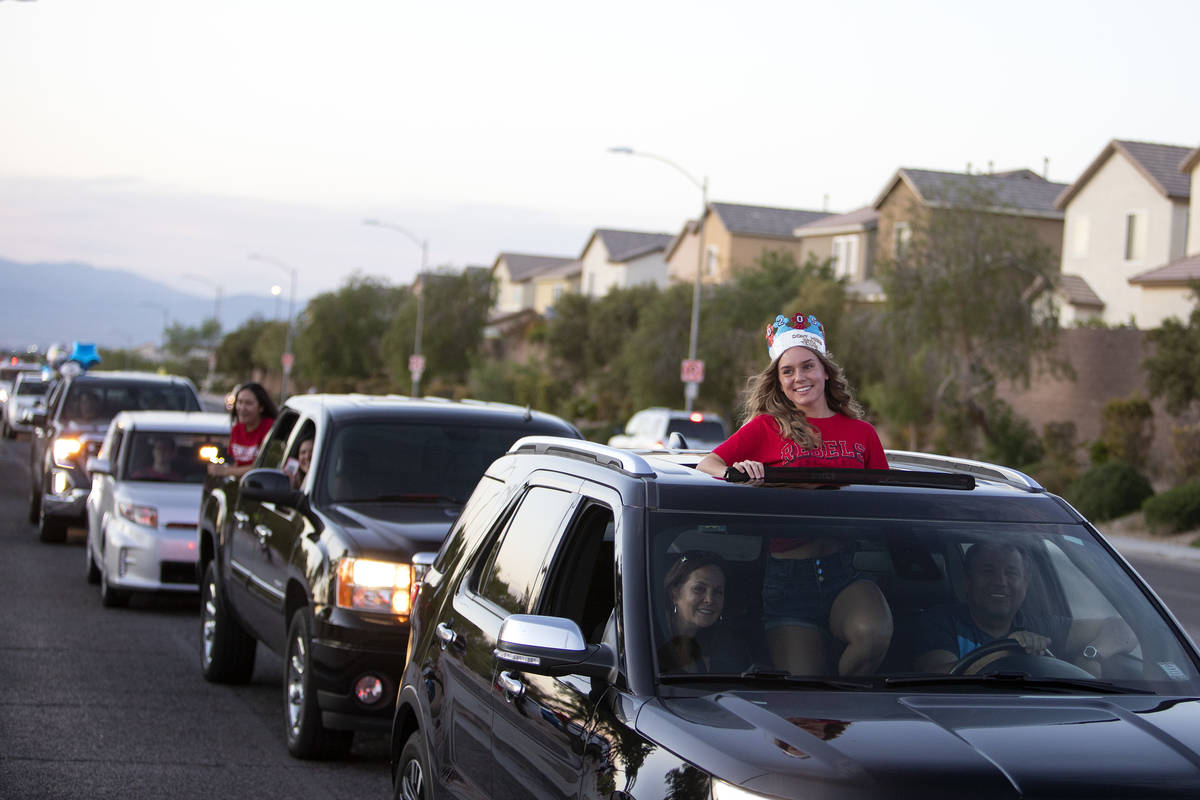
288, 359
165, 313
276, 290
416, 364
690, 388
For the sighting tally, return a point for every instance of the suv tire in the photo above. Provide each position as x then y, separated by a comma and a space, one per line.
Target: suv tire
413, 775
226, 650
35, 505
307, 737
50, 530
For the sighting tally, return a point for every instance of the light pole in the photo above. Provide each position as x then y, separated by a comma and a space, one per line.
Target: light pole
416, 364
212, 349
276, 290
690, 388
288, 359
163, 309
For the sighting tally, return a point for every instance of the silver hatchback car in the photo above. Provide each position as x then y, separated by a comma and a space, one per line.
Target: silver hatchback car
145, 501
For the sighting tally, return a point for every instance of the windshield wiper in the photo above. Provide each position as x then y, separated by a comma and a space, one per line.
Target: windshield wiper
1015, 680
766, 676
408, 497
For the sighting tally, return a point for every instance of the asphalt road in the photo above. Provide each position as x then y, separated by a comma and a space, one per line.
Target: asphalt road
110, 702
103, 703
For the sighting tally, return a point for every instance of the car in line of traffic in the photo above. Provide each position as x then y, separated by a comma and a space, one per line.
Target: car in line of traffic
27, 389
653, 428
593, 627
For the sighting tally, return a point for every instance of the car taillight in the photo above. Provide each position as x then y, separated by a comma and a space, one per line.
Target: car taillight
696, 417
140, 515
65, 449
383, 587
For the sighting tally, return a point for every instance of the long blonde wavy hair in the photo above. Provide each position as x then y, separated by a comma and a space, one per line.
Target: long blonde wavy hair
764, 395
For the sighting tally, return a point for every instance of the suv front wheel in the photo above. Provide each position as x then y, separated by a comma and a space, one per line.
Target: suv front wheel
307, 737
413, 775
226, 651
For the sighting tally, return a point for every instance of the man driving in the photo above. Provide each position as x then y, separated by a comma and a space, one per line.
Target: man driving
997, 576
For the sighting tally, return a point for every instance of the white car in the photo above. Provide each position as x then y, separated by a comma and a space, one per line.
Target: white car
27, 389
145, 501
651, 429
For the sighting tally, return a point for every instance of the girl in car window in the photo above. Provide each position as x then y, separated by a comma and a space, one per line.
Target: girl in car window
801, 414
695, 599
253, 415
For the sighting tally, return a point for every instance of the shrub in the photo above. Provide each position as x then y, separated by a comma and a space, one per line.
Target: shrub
1127, 429
1109, 490
1186, 439
1174, 510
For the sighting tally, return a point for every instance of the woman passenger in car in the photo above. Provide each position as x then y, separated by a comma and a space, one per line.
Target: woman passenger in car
695, 598
253, 415
802, 414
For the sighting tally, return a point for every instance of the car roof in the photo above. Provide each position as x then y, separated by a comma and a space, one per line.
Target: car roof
174, 421
93, 376
362, 406
997, 494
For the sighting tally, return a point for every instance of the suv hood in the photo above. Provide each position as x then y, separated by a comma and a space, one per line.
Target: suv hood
848, 744
383, 529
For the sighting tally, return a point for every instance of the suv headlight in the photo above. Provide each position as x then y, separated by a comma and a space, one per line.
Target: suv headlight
65, 449
379, 586
140, 515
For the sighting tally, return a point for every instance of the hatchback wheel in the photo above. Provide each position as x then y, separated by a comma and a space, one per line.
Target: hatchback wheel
93, 572
412, 774
226, 650
307, 737
111, 596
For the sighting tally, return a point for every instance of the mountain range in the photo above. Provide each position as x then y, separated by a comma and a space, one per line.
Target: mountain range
47, 303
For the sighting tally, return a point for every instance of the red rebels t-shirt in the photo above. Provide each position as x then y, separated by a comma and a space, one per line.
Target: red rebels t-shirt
243, 444
845, 442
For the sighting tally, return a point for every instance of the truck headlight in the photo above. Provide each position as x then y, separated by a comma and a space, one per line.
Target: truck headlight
139, 515
379, 586
65, 449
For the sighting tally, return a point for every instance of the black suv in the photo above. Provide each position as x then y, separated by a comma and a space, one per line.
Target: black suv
70, 426
322, 569
541, 663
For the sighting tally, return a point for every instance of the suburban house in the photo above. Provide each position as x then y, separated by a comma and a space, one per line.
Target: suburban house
732, 236
514, 275
614, 259
849, 240
1021, 194
550, 285
1126, 230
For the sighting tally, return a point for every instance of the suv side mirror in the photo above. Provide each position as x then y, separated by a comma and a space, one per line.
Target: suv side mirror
552, 646
270, 486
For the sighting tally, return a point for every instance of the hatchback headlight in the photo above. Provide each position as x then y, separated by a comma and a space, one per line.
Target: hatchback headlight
65, 449
139, 515
379, 586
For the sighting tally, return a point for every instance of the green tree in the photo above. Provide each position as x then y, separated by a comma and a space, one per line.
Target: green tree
1173, 370
968, 301
182, 339
238, 354
339, 346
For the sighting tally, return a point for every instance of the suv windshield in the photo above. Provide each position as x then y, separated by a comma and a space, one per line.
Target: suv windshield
172, 457
704, 431
417, 462
97, 401
31, 388
1055, 580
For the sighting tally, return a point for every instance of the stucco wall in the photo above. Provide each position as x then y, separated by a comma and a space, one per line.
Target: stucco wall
507, 300
648, 269
682, 264
1193, 241
598, 275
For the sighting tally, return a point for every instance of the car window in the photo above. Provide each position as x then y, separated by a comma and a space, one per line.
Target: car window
705, 430
580, 583
514, 563
31, 388
271, 452
1071, 585
94, 401
168, 457
477, 517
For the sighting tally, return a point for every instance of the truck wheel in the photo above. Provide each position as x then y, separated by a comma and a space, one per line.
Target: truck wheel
307, 737
50, 530
412, 773
226, 650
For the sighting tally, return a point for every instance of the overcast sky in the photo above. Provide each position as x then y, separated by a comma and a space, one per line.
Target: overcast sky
170, 137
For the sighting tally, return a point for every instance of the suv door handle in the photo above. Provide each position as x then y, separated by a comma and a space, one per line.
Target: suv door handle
241, 517
446, 636
513, 688
263, 533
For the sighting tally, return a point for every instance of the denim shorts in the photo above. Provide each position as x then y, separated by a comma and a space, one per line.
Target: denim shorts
801, 591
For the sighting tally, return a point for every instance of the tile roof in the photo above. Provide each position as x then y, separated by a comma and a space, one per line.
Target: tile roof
1022, 189
1177, 272
567, 270
763, 220
522, 266
627, 245
1160, 164
1079, 293
1190, 160
865, 218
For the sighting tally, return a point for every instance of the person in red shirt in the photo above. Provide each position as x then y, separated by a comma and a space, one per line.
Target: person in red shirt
253, 415
802, 414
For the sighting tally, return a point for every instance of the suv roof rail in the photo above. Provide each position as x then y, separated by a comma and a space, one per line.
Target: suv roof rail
601, 454
980, 469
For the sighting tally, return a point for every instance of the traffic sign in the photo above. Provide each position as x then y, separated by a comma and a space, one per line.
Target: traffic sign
691, 370
287, 360
416, 364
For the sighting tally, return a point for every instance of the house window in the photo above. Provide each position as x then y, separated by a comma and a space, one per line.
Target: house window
845, 256
903, 235
1135, 235
1079, 236
556, 293
710, 259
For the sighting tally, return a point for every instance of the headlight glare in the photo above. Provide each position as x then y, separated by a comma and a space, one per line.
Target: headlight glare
379, 586
65, 449
727, 791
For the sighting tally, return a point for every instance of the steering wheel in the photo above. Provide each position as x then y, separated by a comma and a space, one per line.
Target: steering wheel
960, 666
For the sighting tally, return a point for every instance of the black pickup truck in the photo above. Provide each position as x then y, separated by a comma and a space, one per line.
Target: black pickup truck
323, 569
